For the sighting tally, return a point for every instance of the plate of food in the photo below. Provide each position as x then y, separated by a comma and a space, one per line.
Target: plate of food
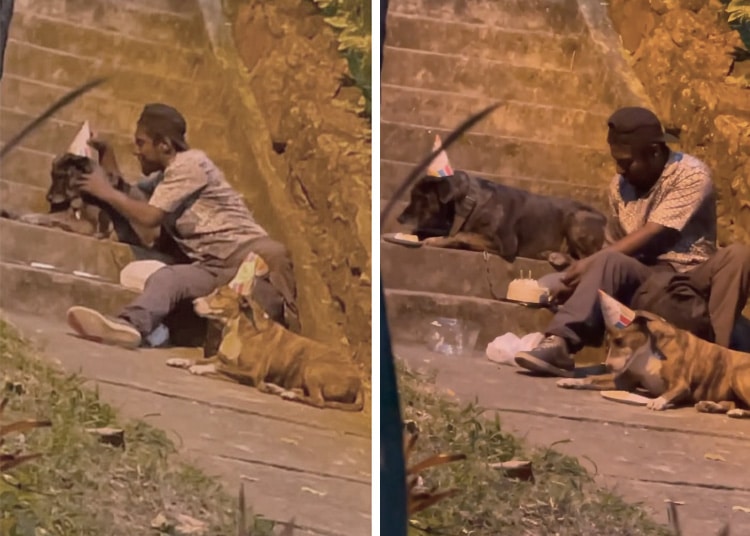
403, 239
626, 397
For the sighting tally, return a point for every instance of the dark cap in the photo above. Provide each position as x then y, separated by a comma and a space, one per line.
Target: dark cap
164, 121
633, 125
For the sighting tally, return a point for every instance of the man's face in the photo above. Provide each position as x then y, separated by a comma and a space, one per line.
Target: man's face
640, 166
147, 153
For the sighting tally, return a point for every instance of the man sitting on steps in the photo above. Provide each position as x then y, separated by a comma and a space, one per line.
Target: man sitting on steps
208, 220
663, 217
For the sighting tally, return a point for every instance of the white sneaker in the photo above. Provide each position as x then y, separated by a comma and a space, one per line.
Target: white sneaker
94, 326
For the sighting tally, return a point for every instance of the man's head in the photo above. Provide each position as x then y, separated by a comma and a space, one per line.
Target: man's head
159, 135
638, 144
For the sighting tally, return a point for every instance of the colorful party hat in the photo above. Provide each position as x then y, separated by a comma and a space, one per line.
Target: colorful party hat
440, 166
616, 315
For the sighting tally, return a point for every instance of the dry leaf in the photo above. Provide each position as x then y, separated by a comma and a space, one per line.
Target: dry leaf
744, 509
289, 440
714, 457
519, 469
450, 392
314, 491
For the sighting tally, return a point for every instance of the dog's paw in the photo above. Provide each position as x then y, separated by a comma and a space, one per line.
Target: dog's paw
200, 370
706, 406
433, 241
179, 362
658, 404
289, 395
571, 383
738, 413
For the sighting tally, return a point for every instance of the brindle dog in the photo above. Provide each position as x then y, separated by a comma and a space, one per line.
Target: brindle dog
467, 212
675, 366
257, 351
77, 212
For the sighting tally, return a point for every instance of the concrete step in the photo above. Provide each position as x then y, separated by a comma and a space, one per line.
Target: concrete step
68, 252
392, 173
539, 49
179, 7
54, 67
124, 17
22, 198
500, 155
411, 312
562, 15
451, 271
49, 294
500, 81
513, 118
76, 39
31, 97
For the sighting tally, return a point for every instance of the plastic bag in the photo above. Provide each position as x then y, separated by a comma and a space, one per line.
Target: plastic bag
504, 348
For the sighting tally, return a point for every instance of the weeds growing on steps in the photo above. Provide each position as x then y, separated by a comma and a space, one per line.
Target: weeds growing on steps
80, 486
562, 499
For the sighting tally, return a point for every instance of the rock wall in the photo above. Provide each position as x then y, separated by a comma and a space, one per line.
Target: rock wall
682, 51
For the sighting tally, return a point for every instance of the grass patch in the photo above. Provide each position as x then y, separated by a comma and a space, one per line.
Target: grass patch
83, 487
562, 500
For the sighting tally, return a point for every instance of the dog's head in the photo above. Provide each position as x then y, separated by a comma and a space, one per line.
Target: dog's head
223, 304
66, 170
431, 205
644, 337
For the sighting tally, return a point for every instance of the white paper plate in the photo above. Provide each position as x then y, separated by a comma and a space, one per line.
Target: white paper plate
625, 397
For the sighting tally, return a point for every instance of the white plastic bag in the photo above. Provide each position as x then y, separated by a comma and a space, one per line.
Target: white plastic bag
504, 348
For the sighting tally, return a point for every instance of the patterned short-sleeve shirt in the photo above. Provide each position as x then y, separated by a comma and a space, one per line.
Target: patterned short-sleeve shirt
682, 199
206, 216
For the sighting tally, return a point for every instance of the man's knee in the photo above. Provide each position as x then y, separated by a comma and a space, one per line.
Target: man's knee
181, 281
607, 259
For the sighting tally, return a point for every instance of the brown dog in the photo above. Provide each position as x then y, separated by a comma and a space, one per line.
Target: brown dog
257, 351
675, 366
466, 212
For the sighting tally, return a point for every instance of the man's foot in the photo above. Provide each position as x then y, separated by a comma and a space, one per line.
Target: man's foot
94, 326
551, 357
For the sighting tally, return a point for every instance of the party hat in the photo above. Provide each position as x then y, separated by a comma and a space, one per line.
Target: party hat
79, 144
245, 277
440, 166
616, 315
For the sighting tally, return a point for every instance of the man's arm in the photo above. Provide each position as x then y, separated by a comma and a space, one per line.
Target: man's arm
136, 211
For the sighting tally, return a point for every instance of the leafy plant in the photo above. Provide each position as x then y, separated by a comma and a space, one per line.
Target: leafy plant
353, 21
739, 18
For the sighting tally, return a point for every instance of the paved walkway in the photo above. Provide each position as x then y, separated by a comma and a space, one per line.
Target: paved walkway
295, 461
645, 456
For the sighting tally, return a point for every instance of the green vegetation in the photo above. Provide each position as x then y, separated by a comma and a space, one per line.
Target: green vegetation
353, 21
562, 499
82, 486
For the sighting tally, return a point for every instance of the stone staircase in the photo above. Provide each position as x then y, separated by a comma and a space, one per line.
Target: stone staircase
150, 51
444, 59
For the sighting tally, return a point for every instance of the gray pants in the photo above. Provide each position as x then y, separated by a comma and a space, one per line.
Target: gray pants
170, 285
725, 277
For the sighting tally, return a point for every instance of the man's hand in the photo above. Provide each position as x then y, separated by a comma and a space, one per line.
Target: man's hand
574, 273
107, 158
96, 183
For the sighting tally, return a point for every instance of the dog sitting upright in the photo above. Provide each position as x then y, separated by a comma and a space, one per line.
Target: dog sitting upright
467, 212
675, 366
257, 351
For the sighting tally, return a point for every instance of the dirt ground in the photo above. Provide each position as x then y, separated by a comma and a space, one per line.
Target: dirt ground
311, 107
683, 52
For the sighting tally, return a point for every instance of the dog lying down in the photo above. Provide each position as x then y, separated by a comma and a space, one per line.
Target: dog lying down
467, 212
257, 351
74, 211
675, 366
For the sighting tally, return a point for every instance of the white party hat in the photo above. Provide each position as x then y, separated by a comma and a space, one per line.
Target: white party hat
616, 315
244, 279
79, 144
440, 165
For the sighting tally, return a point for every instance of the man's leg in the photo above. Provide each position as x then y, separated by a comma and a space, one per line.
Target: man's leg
726, 278
163, 291
280, 275
580, 317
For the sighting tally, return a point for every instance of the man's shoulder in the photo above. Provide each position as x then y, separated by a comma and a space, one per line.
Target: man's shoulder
685, 165
190, 158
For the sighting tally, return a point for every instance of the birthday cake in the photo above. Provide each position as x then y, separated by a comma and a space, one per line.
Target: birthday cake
527, 290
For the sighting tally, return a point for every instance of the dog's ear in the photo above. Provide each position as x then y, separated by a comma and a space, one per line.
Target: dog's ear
447, 191
645, 316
